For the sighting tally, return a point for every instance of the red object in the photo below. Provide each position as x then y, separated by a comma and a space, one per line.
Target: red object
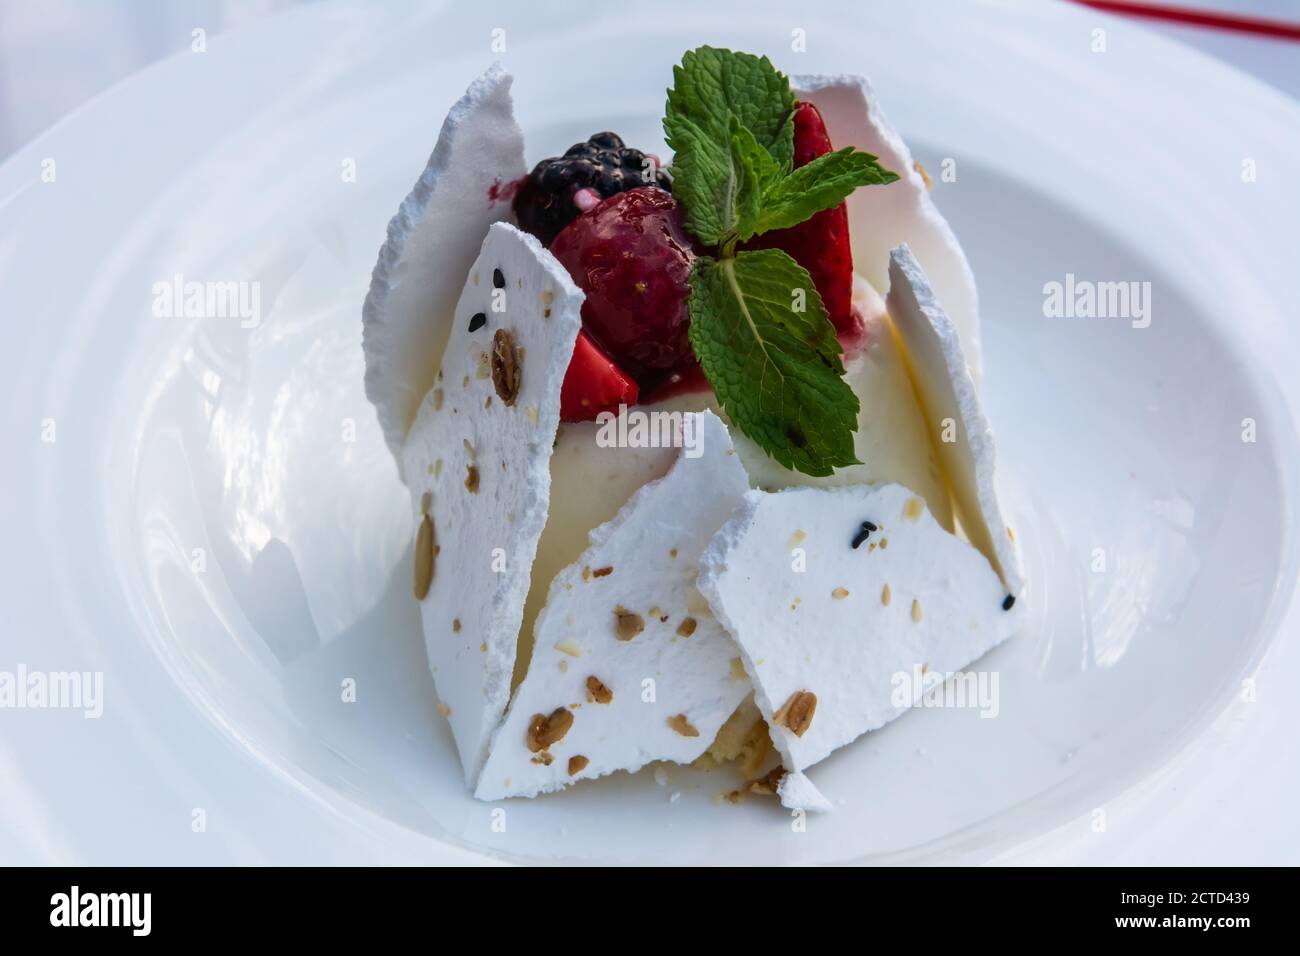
593, 383
820, 244
1200, 18
632, 257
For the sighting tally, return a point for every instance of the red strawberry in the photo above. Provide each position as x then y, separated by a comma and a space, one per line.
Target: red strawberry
593, 383
819, 244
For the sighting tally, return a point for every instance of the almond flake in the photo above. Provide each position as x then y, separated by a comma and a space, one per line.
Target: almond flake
766, 785
544, 731
507, 366
796, 715
425, 552
598, 692
627, 624
679, 723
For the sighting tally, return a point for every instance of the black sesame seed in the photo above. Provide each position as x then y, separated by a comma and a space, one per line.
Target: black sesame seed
477, 321
498, 280
863, 534
1008, 602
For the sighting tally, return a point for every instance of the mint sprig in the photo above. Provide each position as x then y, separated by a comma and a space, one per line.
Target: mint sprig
776, 370
758, 325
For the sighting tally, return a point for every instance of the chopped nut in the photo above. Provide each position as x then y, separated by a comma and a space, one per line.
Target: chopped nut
544, 758
444, 710
766, 785
507, 370
627, 624
548, 296
602, 572
884, 595
598, 692
797, 713
544, 731
1011, 534
672, 553
840, 594
913, 508
738, 669
569, 647
586, 574
531, 412
687, 627
471, 479
884, 543
483, 648
916, 610
796, 539
426, 550
679, 723
577, 763
455, 625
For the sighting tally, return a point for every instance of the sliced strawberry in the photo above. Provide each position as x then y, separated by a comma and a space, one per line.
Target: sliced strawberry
820, 244
593, 383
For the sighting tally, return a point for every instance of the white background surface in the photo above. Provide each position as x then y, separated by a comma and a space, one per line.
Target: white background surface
56, 54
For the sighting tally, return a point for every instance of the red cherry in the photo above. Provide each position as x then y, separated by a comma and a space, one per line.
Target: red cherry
631, 256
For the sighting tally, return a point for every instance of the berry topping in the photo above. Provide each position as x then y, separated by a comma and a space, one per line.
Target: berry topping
599, 168
632, 258
819, 244
593, 383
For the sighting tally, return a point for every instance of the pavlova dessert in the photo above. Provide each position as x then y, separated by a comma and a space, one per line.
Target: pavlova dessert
695, 450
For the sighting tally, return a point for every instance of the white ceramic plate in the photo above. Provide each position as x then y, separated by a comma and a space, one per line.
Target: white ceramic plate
218, 528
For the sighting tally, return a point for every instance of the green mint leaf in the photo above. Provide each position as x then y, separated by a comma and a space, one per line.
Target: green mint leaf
712, 85
715, 91
756, 172
703, 181
776, 371
821, 184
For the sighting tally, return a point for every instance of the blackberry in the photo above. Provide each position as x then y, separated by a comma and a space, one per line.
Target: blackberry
544, 203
